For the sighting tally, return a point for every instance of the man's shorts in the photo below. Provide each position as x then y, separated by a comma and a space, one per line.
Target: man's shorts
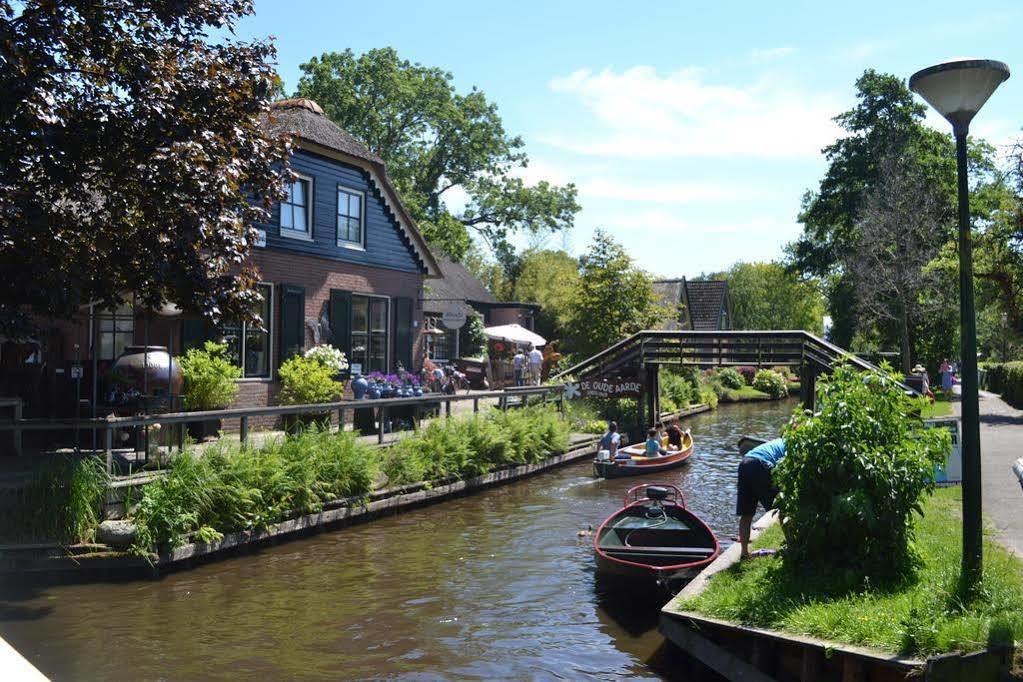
755, 485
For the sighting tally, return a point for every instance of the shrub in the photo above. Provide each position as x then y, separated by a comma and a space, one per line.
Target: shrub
209, 376
747, 372
328, 356
676, 392
472, 341
306, 380
772, 383
730, 378
709, 395
1006, 379
854, 472
62, 503
229, 489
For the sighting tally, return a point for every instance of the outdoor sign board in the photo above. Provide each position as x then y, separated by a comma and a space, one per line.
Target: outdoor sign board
453, 319
604, 388
952, 472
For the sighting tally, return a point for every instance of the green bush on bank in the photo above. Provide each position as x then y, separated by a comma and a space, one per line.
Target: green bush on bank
1006, 379
62, 503
855, 470
730, 378
676, 392
771, 382
466, 447
229, 488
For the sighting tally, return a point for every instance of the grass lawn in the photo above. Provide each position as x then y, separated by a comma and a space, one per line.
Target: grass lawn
940, 408
743, 394
921, 616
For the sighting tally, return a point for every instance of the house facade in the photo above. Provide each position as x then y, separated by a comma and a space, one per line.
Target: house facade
340, 261
700, 304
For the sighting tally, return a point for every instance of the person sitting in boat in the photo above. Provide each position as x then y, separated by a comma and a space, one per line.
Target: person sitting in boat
756, 485
674, 435
653, 444
610, 441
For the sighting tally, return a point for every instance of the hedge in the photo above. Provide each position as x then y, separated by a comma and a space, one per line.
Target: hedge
1006, 379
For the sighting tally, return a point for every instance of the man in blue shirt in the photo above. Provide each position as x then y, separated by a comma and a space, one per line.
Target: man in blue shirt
756, 485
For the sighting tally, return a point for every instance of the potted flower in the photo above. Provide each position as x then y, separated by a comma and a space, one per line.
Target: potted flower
209, 383
311, 379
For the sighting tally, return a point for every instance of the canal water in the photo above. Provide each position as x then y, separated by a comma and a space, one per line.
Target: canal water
496, 585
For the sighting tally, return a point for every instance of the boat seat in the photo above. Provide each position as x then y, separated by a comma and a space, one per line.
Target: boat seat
622, 549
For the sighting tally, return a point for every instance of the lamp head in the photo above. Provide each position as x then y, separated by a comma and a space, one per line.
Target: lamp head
959, 88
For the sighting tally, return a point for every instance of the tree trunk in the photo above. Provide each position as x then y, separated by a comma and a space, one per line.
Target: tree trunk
907, 361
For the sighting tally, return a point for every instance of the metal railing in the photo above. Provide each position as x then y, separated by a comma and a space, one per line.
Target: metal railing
108, 425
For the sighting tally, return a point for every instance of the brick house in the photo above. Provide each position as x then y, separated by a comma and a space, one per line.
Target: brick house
340, 261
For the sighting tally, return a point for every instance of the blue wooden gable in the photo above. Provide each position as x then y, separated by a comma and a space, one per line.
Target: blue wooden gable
386, 244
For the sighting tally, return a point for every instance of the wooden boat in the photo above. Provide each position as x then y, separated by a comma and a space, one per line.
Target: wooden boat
638, 464
654, 539
747, 443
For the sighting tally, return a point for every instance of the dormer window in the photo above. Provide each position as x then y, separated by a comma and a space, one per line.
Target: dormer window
349, 217
296, 209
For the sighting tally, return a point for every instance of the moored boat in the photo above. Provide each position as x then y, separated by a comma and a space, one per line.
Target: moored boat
747, 443
654, 539
638, 464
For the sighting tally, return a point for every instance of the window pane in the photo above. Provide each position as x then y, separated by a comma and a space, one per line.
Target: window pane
233, 338
257, 352
378, 315
355, 230
123, 324
360, 313
354, 205
286, 218
300, 222
122, 341
106, 346
378, 353
360, 351
298, 192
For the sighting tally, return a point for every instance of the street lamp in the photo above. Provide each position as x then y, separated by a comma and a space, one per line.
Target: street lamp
958, 89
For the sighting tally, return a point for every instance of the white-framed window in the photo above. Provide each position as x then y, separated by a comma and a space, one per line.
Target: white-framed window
249, 344
370, 332
297, 209
115, 330
441, 342
350, 230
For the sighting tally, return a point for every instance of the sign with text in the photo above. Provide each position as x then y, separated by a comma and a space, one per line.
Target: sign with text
453, 319
604, 388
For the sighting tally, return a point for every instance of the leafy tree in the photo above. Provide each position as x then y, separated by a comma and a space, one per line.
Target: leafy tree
549, 278
767, 296
491, 274
472, 341
435, 140
612, 300
132, 158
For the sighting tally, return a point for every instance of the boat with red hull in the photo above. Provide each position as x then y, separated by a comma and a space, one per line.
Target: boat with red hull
654, 539
631, 460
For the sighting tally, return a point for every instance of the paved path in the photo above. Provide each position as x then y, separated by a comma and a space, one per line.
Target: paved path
1001, 444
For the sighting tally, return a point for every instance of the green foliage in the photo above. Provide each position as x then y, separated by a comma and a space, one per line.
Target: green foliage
1006, 379
853, 473
465, 447
228, 489
135, 159
729, 377
432, 139
613, 298
62, 503
767, 296
924, 614
472, 342
676, 392
305, 381
549, 278
770, 382
209, 377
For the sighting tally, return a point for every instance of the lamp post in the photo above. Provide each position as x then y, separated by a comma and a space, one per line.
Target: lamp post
957, 90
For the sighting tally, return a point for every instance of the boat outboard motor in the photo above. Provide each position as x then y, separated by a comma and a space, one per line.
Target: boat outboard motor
657, 493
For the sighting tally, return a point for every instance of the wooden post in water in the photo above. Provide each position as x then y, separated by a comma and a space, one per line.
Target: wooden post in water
243, 430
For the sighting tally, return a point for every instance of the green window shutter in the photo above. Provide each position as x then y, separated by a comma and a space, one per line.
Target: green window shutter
403, 332
292, 321
340, 314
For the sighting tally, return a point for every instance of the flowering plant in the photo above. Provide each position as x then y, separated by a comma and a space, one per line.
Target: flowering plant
328, 356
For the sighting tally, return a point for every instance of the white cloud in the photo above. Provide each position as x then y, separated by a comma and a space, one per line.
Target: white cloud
868, 48
669, 192
665, 223
758, 56
643, 114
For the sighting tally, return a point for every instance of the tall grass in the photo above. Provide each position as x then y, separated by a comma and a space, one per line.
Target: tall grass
466, 447
62, 503
926, 612
229, 488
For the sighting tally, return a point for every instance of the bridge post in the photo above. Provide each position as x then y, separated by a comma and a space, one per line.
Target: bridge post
808, 384
653, 393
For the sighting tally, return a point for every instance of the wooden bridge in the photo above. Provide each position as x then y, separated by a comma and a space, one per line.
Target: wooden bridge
641, 354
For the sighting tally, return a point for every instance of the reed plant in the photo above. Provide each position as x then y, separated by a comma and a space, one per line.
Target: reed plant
62, 503
228, 488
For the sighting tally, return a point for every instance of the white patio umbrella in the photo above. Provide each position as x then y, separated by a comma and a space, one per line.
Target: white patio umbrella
514, 333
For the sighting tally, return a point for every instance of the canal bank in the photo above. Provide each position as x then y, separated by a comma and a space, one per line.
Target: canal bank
496, 585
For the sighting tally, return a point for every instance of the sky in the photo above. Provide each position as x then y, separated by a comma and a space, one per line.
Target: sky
691, 129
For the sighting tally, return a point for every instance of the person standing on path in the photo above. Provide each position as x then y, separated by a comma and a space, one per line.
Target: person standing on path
535, 364
756, 485
946, 378
519, 361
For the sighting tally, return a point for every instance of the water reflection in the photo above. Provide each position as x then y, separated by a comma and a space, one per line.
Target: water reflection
495, 585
